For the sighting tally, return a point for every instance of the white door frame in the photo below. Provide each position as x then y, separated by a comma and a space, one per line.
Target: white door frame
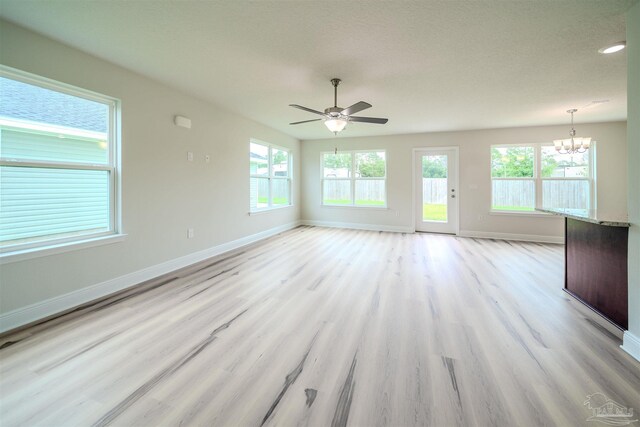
456, 150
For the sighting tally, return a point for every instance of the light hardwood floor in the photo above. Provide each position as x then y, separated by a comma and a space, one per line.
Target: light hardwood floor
327, 327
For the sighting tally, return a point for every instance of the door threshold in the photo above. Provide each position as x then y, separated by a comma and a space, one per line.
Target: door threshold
435, 232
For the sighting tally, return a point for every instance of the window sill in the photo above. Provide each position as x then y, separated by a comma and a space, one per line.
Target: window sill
378, 208
266, 210
25, 254
521, 213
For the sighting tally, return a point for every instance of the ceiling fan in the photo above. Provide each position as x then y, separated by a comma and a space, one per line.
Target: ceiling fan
336, 118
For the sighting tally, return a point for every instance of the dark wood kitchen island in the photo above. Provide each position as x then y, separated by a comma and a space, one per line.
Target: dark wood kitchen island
596, 262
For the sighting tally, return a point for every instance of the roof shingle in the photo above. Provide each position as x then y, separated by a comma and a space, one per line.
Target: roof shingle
24, 101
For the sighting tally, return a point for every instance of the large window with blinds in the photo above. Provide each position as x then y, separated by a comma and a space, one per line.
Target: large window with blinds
58, 163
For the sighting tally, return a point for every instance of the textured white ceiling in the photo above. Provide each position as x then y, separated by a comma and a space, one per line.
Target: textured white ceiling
426, 65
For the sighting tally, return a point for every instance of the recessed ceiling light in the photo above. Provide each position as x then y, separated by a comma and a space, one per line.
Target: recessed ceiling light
613, 48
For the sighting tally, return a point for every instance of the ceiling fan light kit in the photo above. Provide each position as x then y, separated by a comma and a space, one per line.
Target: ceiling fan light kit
335, 125
337, 118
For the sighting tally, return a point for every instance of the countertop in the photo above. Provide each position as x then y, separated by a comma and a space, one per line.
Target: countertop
589, 216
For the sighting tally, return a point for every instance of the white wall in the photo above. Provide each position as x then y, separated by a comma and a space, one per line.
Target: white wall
632, 336
162, 193
474, 171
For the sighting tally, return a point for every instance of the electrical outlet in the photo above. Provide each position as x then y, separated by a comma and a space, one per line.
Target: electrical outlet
190, 233
190, 156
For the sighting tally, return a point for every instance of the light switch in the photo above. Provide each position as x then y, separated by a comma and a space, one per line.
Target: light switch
190, 156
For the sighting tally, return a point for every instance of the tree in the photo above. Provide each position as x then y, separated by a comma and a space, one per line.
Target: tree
337, 161
279, 157
434, 167
370, 165
512, 162
549, 164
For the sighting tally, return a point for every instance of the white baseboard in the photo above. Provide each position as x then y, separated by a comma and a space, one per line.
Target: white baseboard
631, 344
358, 226
41, 310
511, 236
463, 233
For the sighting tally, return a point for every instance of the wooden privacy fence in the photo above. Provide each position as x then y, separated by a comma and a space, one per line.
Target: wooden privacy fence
366, 189
555, 193
259, 188
572, 194
434, 191
513, 193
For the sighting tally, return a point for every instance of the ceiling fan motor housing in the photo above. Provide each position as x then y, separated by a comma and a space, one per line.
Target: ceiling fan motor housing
333, 111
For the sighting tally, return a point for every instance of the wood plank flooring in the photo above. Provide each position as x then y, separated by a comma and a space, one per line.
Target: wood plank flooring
327, 327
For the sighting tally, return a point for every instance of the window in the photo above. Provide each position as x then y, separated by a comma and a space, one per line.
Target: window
57, 163
566, 179
536, 175
513, 183
355, 178
270, 176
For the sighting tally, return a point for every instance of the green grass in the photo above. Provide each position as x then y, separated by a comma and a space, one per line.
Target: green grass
434, 212
342, 202
275, 201
513, 208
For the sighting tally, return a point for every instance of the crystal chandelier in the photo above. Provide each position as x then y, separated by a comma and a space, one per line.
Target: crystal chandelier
573, 144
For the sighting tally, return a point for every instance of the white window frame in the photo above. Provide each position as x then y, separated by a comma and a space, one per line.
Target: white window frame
271, 177
538, 179
353, 179
45, 246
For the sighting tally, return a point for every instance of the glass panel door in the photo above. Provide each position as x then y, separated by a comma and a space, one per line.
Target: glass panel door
434, 187
436, 198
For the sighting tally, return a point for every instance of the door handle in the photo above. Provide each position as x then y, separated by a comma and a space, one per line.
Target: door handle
453, 196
